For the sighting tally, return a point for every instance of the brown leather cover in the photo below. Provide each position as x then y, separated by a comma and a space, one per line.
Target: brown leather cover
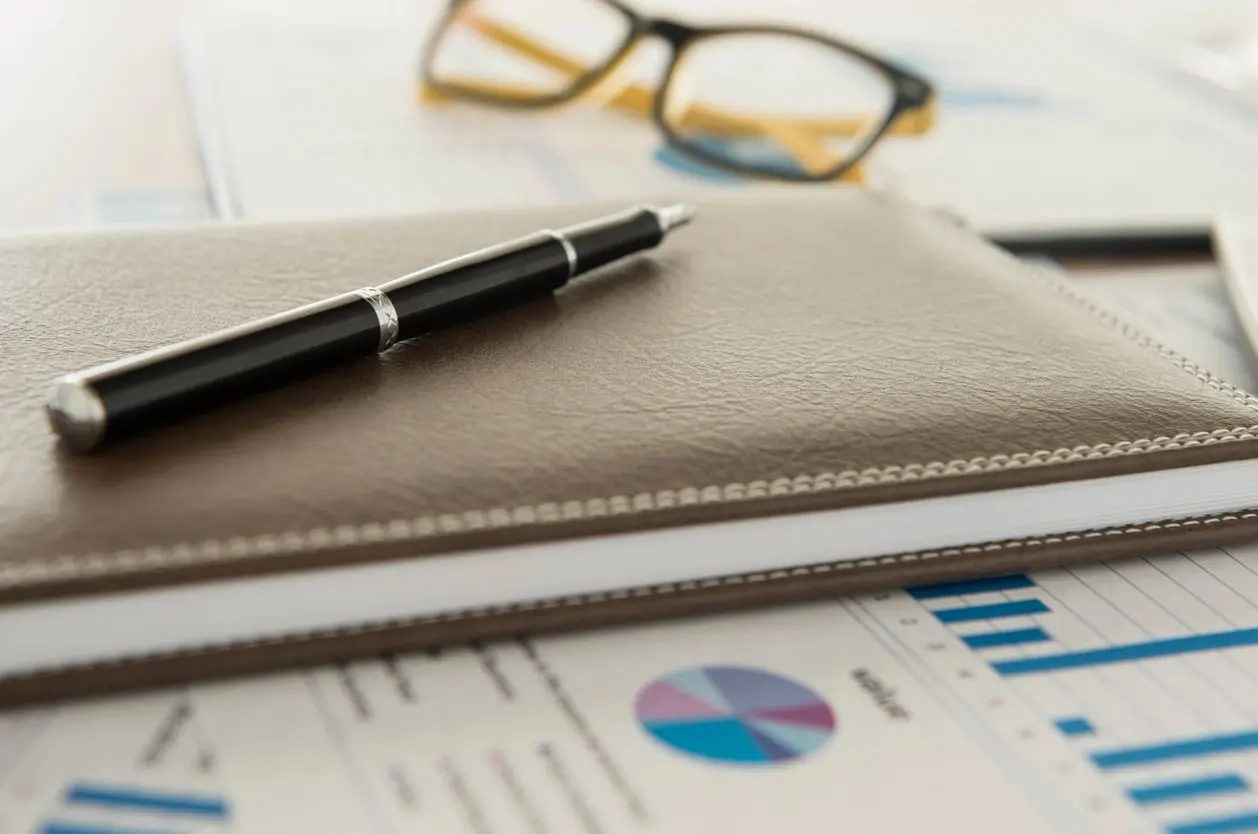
779, 355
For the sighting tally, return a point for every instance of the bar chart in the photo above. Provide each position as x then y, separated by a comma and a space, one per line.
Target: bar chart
100, 808
1148, 668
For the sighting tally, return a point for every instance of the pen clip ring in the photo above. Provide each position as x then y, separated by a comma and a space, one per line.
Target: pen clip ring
386, 316
569, 250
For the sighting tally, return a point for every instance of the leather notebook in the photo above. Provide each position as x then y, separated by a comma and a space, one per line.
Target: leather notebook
794, 397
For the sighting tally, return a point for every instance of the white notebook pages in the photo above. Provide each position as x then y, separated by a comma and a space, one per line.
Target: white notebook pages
106, 627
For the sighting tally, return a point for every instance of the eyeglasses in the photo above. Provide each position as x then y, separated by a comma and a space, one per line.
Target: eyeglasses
772, 102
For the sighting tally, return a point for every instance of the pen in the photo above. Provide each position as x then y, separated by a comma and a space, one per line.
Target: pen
90, 408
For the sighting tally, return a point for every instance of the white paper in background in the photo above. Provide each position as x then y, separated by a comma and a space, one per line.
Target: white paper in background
1216, 40
1236, 250
333, 127
1042, 126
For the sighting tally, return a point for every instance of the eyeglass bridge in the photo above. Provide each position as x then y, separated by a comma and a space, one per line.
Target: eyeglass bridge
673, 31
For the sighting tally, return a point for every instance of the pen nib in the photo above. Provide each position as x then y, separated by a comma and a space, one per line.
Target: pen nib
675, 215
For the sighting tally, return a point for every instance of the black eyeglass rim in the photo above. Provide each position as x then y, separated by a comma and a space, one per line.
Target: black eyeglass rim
910, 91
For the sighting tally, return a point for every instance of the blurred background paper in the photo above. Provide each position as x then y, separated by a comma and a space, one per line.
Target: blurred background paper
1042, 125
93, 134
335, 127
1215, 40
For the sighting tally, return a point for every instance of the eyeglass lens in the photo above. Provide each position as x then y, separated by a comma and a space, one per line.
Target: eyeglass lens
777, 103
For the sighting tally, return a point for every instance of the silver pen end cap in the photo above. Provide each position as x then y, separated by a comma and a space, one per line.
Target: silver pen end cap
675, 215
76, 413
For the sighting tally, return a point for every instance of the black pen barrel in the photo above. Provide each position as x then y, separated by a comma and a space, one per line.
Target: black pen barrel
133, 395
604, 241
459, 291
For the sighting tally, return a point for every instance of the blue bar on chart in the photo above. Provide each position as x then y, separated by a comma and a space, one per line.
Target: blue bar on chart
137, 799
89, 828
1131, 652
1174, 750
1013, 608
1202, 786
998, 639
971, 586
1075, 726
1218, 825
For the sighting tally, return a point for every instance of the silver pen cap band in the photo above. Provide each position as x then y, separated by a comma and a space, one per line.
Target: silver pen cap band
386, 316
76, 412
568, 249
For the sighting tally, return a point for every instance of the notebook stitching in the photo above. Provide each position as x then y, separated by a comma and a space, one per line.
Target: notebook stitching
1144, 340
35, 571
578, 600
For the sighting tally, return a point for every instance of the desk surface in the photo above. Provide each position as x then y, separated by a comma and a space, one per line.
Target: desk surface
92, 105
94, 120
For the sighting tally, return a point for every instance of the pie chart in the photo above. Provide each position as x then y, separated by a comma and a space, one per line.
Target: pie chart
735, 715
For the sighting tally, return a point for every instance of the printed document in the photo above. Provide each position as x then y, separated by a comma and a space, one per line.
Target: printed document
1110, 698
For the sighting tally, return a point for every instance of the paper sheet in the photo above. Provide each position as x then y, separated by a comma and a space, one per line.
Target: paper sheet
1041, 126
1111, 698
1215, 40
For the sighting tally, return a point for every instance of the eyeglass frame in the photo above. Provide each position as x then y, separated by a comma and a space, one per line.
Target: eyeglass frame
911, 93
